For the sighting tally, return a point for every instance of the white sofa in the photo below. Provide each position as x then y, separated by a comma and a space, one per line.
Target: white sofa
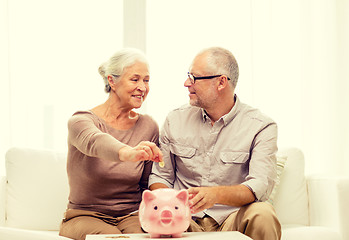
33, 198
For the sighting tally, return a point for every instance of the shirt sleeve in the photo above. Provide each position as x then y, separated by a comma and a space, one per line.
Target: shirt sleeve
262, 169
91, 141
166, 174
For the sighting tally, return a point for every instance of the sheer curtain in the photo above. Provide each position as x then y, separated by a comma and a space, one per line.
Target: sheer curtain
4, 85
292, 57
51, 52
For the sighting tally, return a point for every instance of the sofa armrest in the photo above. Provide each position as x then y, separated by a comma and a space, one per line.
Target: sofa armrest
343, 194
328, 196
2, 200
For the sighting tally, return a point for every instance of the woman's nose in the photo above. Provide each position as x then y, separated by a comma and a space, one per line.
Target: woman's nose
142, 86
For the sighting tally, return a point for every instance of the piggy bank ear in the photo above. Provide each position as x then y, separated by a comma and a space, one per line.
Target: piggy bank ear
183, 196
148, 196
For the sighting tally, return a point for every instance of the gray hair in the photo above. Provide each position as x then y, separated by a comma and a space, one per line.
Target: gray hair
222, 61
118, 62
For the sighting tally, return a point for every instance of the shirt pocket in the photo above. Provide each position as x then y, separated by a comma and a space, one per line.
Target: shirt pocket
186, 161
182, 151
234, 157
233, 167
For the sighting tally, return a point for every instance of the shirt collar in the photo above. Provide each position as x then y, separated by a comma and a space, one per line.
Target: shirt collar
227, 118
204, 115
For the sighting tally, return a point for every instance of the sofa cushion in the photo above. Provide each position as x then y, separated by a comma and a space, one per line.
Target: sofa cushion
7, 233
291, 198
309, 232
280, 165
37, 188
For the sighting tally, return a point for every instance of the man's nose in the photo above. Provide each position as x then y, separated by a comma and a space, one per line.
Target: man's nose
187, 82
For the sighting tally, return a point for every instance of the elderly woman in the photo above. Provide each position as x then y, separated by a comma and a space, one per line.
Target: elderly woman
111, 149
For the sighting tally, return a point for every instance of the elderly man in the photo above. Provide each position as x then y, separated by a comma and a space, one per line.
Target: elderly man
222, 151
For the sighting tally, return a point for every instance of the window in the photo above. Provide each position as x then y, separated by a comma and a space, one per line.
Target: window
55, 50
178, 30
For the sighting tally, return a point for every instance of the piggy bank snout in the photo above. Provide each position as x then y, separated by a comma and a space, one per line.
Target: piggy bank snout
166, 216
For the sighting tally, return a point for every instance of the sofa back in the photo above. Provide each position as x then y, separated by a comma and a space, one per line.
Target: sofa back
37, 188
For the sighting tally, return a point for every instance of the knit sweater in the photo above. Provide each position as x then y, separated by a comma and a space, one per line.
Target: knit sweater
98, 180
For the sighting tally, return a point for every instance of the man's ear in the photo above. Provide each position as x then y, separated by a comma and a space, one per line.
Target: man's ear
223, 82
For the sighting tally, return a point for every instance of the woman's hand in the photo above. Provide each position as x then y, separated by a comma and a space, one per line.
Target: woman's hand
145, 150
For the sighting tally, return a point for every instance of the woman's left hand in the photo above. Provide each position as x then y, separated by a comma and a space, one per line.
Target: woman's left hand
145, 150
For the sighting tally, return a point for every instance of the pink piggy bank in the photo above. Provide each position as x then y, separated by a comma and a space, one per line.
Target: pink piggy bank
165, 211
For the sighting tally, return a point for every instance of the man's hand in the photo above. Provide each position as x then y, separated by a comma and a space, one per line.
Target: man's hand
201, 198
145, 150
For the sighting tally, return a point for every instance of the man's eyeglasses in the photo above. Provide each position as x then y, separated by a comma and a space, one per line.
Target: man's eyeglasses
193, 78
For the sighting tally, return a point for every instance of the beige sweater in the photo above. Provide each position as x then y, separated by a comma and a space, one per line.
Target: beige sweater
98, 180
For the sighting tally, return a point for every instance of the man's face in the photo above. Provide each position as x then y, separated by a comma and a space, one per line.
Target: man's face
202, 93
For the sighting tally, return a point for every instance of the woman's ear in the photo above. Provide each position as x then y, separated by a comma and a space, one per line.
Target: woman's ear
111, 82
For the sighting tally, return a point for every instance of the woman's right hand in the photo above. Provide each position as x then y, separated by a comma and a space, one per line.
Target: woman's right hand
145, 150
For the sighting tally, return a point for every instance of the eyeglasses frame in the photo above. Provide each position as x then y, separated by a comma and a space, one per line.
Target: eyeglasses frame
193, 78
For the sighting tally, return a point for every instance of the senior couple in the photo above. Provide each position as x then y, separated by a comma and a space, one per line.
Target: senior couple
220, 149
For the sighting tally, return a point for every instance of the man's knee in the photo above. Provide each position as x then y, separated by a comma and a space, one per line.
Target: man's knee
260, 212
259, 219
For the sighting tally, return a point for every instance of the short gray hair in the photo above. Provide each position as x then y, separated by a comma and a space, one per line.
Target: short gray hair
222, 61
118, 62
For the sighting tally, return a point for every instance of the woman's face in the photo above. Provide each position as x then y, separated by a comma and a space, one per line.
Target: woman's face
133, 85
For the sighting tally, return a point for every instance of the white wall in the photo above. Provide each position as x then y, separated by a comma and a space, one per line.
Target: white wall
4, 85
51, 65
292, 54
292, 57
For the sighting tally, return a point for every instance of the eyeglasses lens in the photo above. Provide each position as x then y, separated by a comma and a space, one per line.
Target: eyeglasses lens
191, 78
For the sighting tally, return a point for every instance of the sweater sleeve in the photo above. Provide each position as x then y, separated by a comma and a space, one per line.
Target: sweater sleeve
90, 140
148, 164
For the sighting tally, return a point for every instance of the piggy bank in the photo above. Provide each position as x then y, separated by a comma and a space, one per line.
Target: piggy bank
165, 212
